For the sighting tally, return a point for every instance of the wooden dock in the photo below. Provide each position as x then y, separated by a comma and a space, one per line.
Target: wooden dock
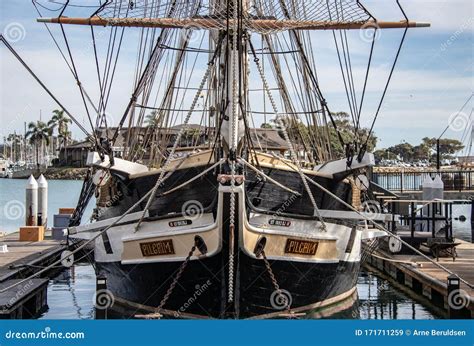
24, 300
427, 280
23, 259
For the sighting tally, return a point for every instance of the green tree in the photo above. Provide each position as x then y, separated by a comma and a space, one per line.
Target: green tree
383, 154
425, 150
38, 133
403, 150
153, 119
298, 130
15, 146
447, 147
349, 134
61, 121
421, 152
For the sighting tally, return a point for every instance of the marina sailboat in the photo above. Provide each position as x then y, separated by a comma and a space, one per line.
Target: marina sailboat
216, 218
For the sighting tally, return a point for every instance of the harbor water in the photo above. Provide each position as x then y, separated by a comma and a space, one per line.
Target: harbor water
71, 293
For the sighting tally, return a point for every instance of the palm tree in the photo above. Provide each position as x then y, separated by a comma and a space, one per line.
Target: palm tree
153, 119
15, 141
38, 133
61, 120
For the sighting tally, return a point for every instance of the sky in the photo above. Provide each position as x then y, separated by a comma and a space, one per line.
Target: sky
432, 80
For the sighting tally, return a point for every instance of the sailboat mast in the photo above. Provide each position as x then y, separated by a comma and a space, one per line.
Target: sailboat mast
232, 81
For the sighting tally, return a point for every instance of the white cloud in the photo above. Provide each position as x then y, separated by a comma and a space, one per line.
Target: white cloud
428, 85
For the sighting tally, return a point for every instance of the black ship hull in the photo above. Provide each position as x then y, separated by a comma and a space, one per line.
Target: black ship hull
208, 286
202, 290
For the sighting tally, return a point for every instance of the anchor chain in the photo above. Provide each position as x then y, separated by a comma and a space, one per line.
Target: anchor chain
276, 286
175, 280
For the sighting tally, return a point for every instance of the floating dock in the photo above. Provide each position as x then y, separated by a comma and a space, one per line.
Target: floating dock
429, 281
22, 259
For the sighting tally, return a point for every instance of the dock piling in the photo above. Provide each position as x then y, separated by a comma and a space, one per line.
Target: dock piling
454, 295
31, 202
42, 201
100, 290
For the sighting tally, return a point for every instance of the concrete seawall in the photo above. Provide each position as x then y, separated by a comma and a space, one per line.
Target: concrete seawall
59, 173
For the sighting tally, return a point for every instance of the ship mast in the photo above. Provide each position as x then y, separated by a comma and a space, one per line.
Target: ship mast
233, 78
230, 23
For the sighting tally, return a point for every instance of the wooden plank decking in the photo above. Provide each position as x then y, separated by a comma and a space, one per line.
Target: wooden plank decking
24, 299
22, 255
429, 280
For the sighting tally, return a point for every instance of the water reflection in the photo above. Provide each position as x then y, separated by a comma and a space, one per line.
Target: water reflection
462, 224
378, 299
71, 296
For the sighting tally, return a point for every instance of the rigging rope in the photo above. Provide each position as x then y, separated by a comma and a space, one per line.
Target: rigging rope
64, 57
288, 141
83, 244
302, 12
178, 137
381, 228
17, 56
363, 149
76, 76
359, 112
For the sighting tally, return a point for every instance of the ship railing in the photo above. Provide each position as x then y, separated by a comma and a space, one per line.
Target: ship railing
403, 181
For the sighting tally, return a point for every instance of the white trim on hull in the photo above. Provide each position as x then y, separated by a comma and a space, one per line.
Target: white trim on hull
125, 243
339, 245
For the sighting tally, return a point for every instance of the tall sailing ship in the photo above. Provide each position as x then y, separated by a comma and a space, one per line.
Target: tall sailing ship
219, 220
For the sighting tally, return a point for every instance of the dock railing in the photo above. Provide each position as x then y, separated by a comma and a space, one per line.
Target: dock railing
402, 181
423, 216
